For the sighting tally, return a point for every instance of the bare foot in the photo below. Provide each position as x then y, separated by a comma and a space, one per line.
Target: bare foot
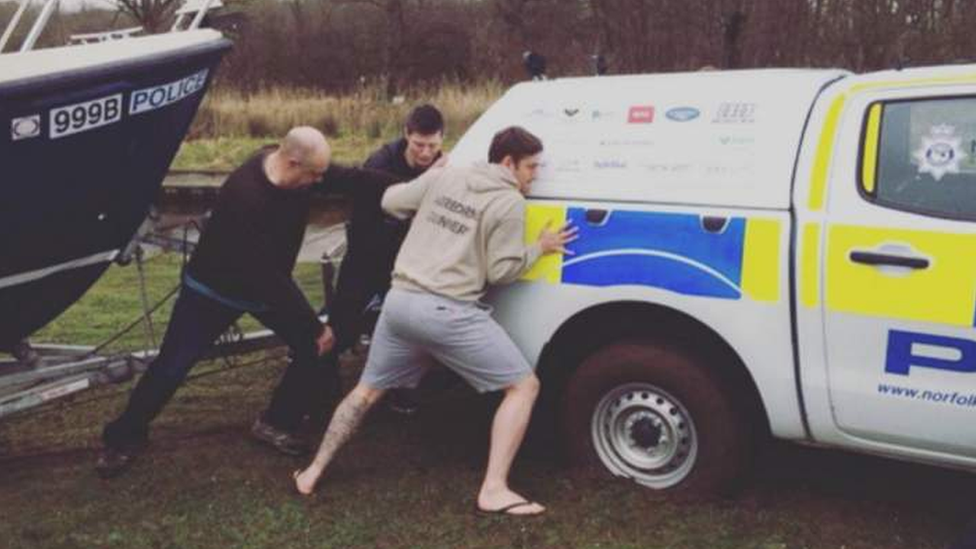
505, 501
304, 482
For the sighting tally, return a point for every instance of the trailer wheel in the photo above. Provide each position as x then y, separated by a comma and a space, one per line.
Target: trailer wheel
656, 415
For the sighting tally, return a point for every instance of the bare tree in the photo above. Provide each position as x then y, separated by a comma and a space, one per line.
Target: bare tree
395, 29
153, 15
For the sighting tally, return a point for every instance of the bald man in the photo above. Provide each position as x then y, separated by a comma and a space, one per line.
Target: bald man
243, 264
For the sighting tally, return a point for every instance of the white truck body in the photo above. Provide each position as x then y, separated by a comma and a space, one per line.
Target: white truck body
818, 226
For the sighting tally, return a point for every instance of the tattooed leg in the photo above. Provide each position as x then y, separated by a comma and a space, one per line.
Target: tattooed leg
346, 420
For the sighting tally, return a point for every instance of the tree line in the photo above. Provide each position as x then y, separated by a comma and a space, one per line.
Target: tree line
338, 45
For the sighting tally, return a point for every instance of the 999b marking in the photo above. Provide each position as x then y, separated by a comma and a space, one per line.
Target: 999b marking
81, 117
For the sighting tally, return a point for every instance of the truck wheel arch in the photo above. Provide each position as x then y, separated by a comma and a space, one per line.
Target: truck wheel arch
592, 329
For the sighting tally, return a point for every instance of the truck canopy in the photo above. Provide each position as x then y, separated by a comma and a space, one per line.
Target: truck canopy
717, 138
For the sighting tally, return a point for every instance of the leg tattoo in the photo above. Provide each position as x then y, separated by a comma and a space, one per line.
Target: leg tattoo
348, 416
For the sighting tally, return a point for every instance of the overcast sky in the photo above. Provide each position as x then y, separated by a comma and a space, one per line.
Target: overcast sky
69, 5
74, 5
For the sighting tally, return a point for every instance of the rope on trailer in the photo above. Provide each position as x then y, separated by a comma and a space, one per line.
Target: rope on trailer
144, 298
118, 335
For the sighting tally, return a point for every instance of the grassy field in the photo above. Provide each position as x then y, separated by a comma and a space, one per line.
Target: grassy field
406, 482
366, 112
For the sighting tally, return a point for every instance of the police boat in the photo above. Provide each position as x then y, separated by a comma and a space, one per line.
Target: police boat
87, 134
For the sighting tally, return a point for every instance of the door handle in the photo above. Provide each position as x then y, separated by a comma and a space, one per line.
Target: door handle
894, 260
596, 217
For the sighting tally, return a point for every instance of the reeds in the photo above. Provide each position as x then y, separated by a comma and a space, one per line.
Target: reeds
364, 113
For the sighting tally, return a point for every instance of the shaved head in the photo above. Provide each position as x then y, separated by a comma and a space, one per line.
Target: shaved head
306, 146
301, 159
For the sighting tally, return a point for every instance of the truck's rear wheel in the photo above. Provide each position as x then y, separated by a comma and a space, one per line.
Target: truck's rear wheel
656, 415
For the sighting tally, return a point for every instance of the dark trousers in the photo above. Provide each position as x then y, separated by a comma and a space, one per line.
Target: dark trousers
197, 321
355, 288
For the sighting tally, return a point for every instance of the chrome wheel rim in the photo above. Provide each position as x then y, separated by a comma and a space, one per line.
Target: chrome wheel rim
643, 433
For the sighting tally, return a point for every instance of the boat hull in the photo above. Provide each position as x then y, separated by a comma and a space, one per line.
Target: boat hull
83, 160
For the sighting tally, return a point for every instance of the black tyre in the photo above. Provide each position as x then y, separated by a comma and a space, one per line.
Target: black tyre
656, 415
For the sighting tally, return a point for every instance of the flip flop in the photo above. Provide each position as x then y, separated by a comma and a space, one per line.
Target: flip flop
505, 510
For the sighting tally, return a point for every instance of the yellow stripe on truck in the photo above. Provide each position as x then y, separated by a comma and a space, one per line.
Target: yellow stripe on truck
872, 133
761, 260
944, 292
809, 266
549, 267
825, 150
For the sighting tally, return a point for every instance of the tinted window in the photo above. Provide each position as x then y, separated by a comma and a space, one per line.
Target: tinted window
926, 157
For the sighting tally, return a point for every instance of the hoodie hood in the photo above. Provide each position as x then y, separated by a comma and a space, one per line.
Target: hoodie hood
486, 178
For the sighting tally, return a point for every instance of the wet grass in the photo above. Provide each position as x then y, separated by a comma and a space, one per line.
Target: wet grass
407, 482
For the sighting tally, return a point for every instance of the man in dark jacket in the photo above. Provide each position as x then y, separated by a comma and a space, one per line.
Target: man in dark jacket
374, 239
243, 264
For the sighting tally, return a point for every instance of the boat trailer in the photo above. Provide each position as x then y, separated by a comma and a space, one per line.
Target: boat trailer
41, 373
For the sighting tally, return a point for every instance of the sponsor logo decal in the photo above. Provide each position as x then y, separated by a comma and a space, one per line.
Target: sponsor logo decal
156, 97
568, 166
626, 142
907, 350
25, 127
601, 116
683, 114
940, 153
538, 113
571, 112
663, 168
735, 113
640, 114
612, 164
736, 140
722, 170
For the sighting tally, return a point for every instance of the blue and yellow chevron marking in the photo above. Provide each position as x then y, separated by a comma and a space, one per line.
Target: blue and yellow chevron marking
760, 266
664, 250
944, 293
549, 267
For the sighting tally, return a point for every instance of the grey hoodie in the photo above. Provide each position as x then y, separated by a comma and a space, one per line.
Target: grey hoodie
467, 233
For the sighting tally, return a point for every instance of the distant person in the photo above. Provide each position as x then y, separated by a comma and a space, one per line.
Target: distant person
467, 234
535, 64
375, 238
243, 264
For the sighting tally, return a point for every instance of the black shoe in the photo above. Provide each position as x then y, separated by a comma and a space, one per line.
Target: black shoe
115, 460
283, 441
403, 401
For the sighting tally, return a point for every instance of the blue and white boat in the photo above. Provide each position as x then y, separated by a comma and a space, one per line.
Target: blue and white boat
87, 133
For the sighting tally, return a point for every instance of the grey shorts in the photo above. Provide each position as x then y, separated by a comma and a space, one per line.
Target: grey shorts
460, 335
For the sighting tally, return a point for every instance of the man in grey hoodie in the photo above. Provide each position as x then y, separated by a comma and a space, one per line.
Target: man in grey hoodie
467, 234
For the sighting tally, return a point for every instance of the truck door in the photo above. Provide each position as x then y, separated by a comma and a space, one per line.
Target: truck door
899, 270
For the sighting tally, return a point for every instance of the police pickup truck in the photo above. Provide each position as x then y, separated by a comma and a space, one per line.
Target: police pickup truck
790, 252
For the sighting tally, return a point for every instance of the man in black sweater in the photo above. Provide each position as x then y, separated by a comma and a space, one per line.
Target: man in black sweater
243, 264
374, 240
